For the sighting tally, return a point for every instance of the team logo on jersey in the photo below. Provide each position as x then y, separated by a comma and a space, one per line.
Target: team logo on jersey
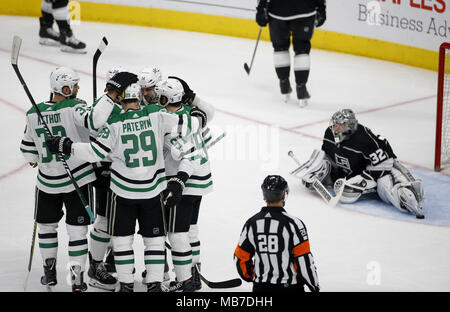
342, 162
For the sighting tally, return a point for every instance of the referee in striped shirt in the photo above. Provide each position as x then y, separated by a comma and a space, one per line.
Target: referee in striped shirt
273, 250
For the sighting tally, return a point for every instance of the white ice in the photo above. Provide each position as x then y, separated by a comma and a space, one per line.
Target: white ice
354, 248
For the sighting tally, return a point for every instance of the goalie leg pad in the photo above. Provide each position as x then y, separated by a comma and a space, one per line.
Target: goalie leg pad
401, 195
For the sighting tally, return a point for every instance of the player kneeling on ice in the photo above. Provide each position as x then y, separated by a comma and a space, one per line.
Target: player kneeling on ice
134, 141
352, 151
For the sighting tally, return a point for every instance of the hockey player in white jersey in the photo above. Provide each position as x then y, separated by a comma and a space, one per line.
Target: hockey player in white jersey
134, 141
148, 78
182, 214
99, 239
65, 115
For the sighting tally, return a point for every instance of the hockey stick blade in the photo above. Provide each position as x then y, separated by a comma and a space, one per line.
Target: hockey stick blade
17, 42
235, 282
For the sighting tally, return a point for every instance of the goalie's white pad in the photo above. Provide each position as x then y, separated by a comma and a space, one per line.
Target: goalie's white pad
396, 189
356, 186
319, 169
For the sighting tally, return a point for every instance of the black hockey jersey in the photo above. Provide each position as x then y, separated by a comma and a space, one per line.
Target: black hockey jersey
362, 151
289, 9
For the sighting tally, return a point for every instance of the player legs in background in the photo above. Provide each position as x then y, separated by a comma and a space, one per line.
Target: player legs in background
302, 31
280, 37
58, 10
194, 240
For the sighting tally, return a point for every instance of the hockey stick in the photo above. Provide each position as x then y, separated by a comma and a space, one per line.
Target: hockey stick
321, 189
234, 282
30, 260
213, 142
246, 67
17, 42
97, 54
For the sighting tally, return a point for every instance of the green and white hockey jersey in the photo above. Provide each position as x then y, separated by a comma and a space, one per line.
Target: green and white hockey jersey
134, 142
71, 118
181, 153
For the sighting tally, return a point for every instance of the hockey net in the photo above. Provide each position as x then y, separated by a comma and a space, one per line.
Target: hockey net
442, 151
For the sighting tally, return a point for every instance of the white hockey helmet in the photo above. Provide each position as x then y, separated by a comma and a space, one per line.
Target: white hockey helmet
114, 70
63, 77
132, 92
346, 118
171, 89
149, 77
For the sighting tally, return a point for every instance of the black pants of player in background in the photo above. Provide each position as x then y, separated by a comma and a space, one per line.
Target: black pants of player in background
267, 287
301, 31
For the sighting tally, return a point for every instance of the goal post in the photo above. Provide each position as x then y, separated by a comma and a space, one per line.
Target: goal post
442, 145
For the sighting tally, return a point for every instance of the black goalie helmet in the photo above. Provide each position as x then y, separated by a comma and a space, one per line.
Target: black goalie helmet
273, 188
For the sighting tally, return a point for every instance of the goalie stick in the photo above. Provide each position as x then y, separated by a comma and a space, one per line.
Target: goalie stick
97, 54
17, 42
319, 187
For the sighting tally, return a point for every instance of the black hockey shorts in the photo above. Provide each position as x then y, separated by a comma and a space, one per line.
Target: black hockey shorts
49, 207
302, 30
180, 218
122, 214
267, 287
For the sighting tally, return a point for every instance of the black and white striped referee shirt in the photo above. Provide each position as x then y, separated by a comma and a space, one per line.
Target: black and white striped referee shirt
274, 248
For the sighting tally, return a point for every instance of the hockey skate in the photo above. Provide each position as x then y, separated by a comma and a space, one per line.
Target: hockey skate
77, 279
154, 287
99, 276
302, 95
71, 44
286, 90
186, 286
126, 287
47, 35
49, 278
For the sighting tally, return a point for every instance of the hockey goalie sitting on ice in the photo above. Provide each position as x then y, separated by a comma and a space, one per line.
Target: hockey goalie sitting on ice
367, 162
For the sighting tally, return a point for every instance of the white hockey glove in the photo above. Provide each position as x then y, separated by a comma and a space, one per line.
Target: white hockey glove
356, 186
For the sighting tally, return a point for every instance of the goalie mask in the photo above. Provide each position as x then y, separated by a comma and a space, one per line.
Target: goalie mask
274, 187
343, 123
63, 77
169, 92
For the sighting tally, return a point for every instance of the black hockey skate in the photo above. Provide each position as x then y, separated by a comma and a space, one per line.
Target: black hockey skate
49, 278
77, 279
285, 88
186, 286
126, 287
154, 287
47, 35
302, 95
71, 44
99, 276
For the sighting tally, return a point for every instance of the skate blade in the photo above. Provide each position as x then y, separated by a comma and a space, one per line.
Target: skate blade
303, 103
285, 97
72, 50
49, 42
99, 285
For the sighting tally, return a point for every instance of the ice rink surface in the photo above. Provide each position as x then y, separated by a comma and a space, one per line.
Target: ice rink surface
366, 246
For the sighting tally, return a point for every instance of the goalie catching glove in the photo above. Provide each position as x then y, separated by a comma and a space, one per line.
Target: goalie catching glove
174, 191
59, 144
